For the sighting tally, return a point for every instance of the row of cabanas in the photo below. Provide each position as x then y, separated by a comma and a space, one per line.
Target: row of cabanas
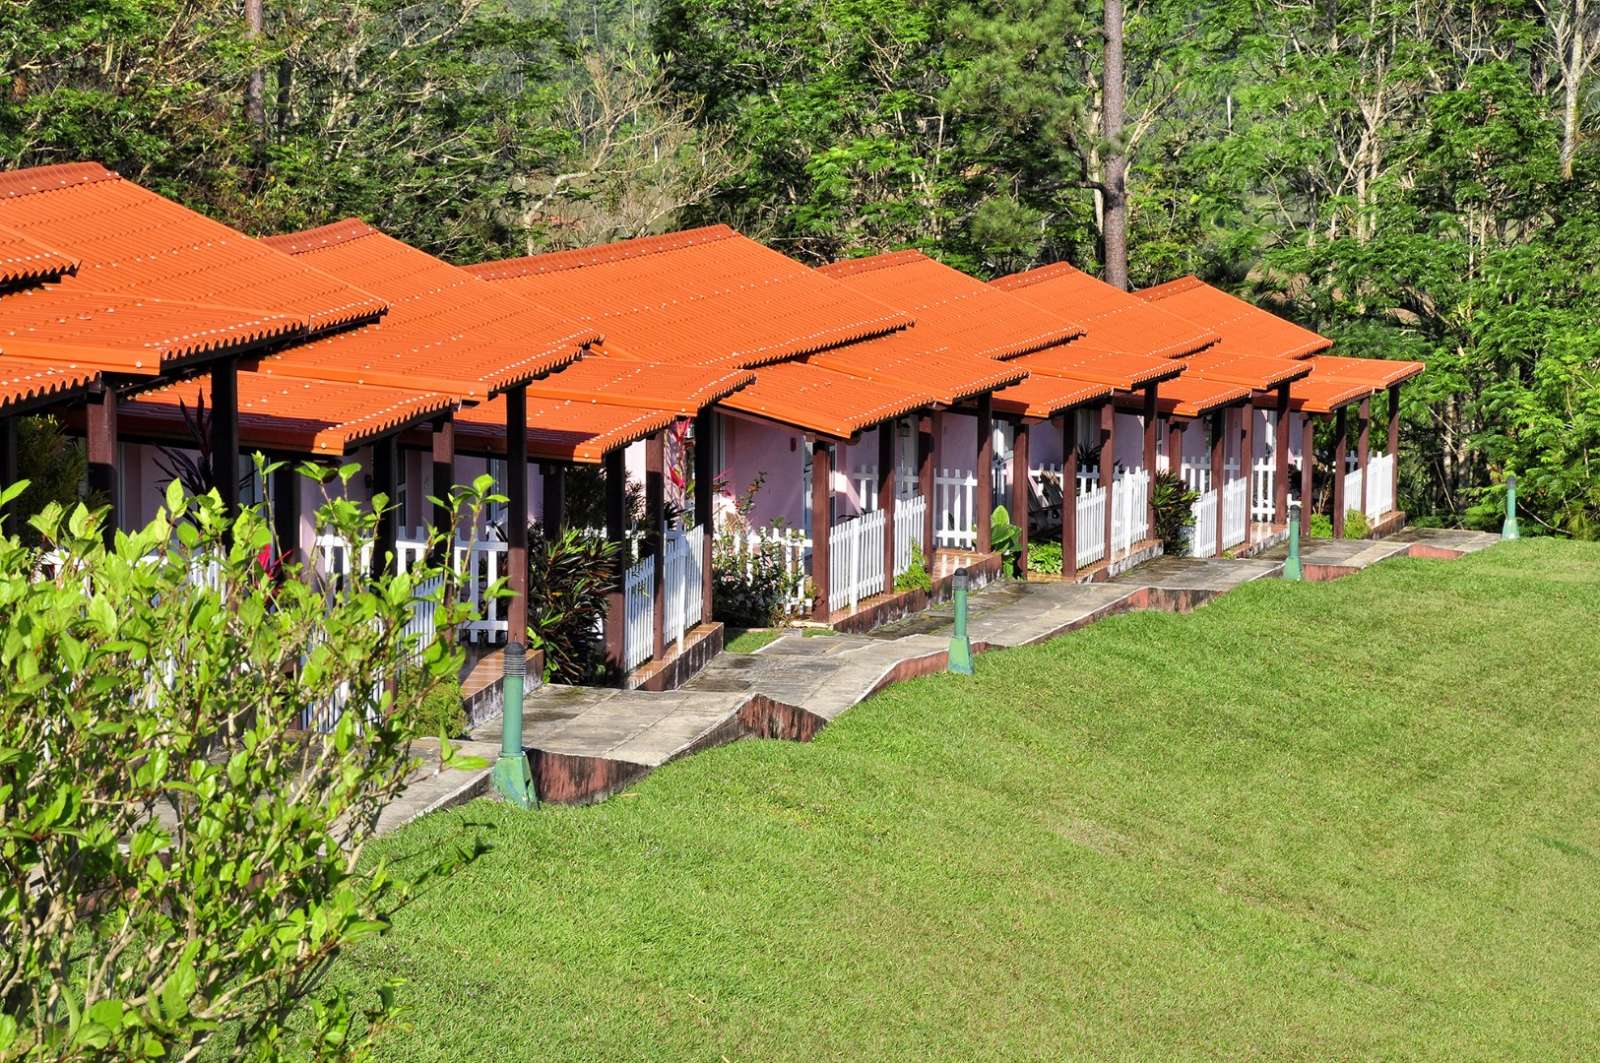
125, 312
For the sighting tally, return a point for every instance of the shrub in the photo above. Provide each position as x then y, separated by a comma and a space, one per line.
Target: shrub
438, 711
749, 587
1355, 524
1045, 558
569, 579
1005, 539
1174, 501
916, 576
1320, 526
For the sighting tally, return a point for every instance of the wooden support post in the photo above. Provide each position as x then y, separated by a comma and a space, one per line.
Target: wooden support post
8, 471
616, 626
705, 499
927, 435
1150, 456
1247, 465
1020, 494
286, 511
1108, 456
1069, 492
985, 473
553, 499
655, 498
821, 525
1280, 457
1308, 471
225, 432
443, 478
1394, 442
1175, 446
1219, 438
1364, 450
886, 498
102, 455
517, 516
1341, 447
385, 474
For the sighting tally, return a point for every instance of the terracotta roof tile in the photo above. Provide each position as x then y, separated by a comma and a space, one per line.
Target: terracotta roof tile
1192, 396
130, 241
820, 400
1113, 319
702, 296
1253, 371
558, 429
683, 389
1379, 372
1043, 395
965, 315
446, 330
1244, 327
25, 259
1084, 361
276, 414
904, 358
26, 383
1311, 395
129, 333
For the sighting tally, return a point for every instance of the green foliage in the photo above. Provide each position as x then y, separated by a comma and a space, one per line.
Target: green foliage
1174, 501
54, 466
181, 857
750, 586
916, 576
569, 579
439, 711
1320, 526
1045, 557
1355, 525
1005, 538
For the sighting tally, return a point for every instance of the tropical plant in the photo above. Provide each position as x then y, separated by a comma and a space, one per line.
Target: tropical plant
1005, 539
916, 576
569, 579
195, 466
586, 498
1356, 525
1045, 557
751, 581
54, 465
182, 857
1173, 500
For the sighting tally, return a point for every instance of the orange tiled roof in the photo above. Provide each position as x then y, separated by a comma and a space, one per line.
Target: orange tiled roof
1379, 372
1244, 327
702, 296
1251, 370
683, 389
129, 333
905, 357
1043, 396
967, 315
130, 241
26, 382
1191, 396
822, 401
25, 259
1084, 361
446, 330
1319, 395
279, 414
1113, 319
559, 429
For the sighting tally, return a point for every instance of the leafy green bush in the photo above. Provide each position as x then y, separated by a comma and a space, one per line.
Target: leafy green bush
1005, 539
916, 576
1355, 524
569, 579
438, 710
1045, 558
1320, 526
749, 587
1174, 505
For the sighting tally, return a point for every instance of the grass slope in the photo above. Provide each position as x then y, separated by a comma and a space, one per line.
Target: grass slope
1358, 819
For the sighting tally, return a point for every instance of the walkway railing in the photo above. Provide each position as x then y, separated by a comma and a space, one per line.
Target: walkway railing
1091, 524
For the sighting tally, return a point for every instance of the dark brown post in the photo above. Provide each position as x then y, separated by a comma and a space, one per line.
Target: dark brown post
821, 526
553, 499
1150, 456
1247, 465
1280, 456
225, 432
1308, 471
517, 516
927, 435
1108, 456
8, 470
102, 454
1341, 446
616, 514
985, 474
1394, 440
886, 498
1021, 495
443, 433
385, 459
1175, 447
1219, 438
1069, 493
286, 510
1364, 450
655, 497
705, 499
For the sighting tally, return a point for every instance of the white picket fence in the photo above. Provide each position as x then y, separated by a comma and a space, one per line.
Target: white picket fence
1130, 511
639, 614
1196, 474
855, 560
1380, 485
1091, 524
333, 556
1235, 515
956, 493
1203, 536
1264, 479
684, 559
793, 550
1352, 489
910, 516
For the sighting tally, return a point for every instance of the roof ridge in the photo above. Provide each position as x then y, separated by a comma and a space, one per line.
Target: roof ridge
1037, 275
330, 235
33, 179
1160, 291
849, 267
584, 257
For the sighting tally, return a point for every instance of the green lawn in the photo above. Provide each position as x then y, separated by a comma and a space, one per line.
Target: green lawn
1317, 820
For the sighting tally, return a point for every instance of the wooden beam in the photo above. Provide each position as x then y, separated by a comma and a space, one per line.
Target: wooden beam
1150, 455
928, 426
1341, 446
225, 432
103, 475
1175, 446
1247, 465
443, 439
1364, 450
1108, 456
517, 516
1394, 441
886, 497
616, 515
385, 474
1280, 457
1308, 471
985, 473
655, 498
1219, 437
1069, 492
705, 499
553, 499
1020, 494
821, 525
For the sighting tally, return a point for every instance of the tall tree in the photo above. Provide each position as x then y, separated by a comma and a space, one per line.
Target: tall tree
1114, 186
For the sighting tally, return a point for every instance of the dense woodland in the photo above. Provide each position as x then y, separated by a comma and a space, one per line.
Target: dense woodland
1416, 179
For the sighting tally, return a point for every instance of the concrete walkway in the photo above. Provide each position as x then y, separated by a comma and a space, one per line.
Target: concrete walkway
588, 743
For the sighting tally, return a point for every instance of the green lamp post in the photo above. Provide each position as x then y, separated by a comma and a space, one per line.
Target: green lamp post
960, 655
1509, 529
1291, 567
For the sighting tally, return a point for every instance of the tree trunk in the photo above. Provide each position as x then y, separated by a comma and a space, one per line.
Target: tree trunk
1577, 61
1114, 92
255, 89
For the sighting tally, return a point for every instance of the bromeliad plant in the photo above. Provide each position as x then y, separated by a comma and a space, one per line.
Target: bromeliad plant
180, 860
1173, 501
568, 580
